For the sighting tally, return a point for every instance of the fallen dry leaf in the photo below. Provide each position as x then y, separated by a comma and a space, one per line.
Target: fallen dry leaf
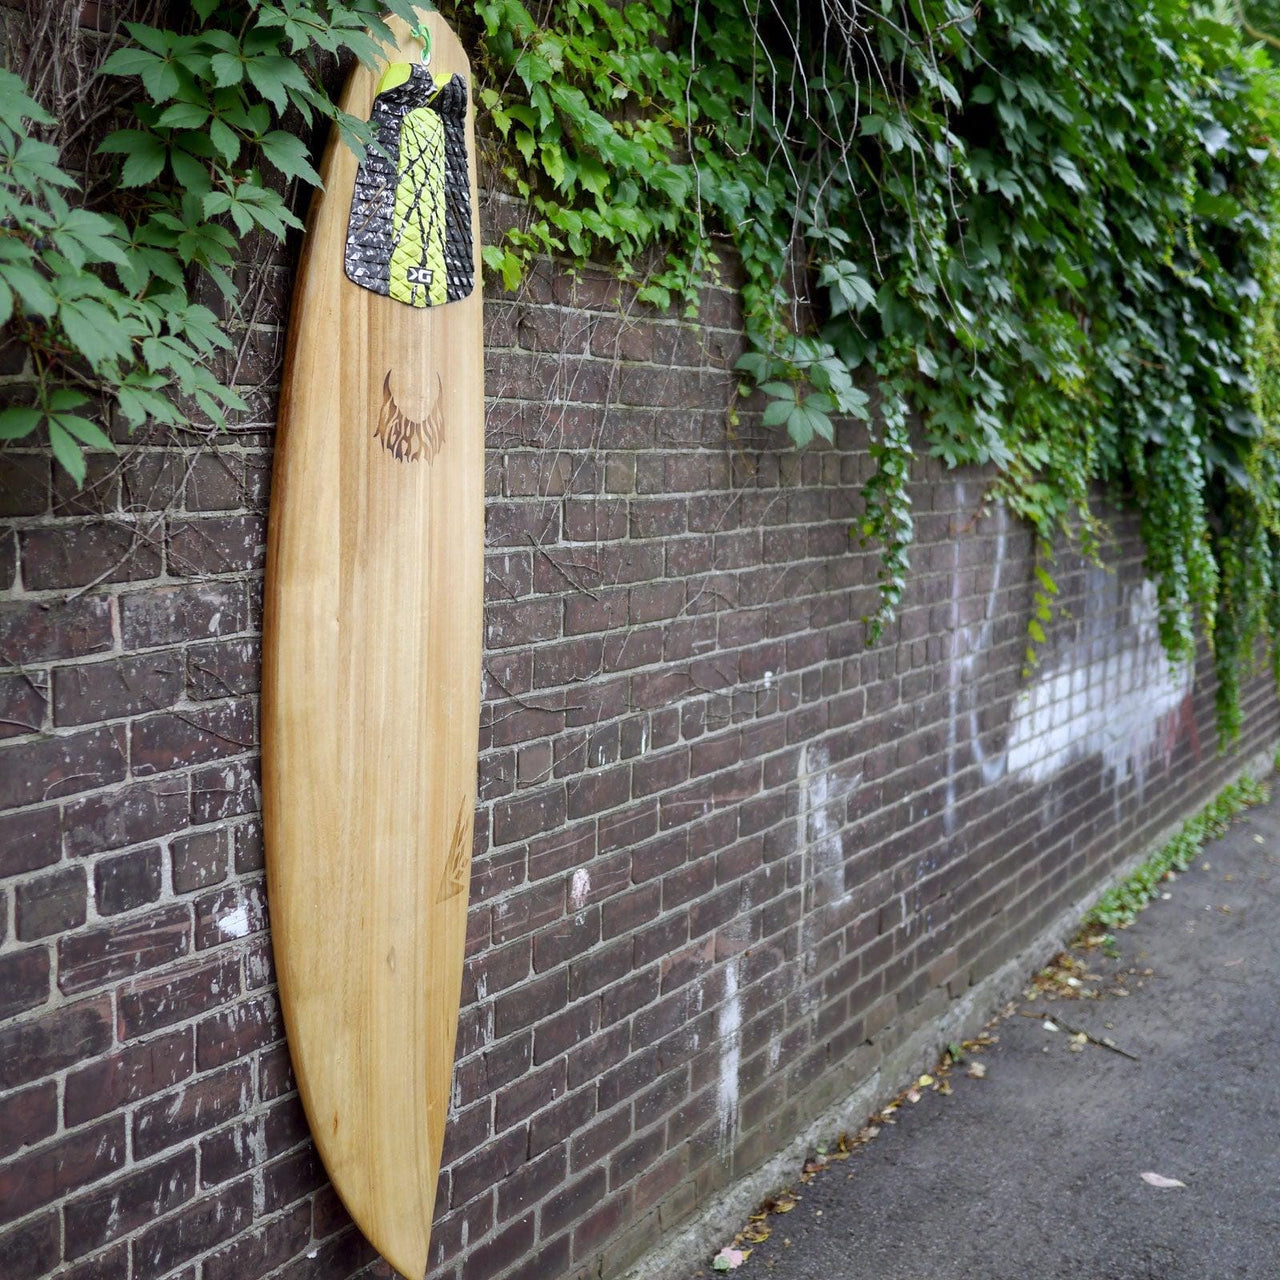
924, 1082
1159, 1180
977, 1070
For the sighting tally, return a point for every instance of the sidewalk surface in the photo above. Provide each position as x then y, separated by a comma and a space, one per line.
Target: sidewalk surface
1034, 1171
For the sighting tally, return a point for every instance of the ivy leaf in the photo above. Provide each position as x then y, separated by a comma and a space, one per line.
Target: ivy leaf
224, 139
144, 155
776, 412
128, 61
847, 286
183, 115
67, 452
18, 421
289, 155
273, 75
94, 330
17, 104
533, 68
227, 69
783, 390
87, 432
30, 287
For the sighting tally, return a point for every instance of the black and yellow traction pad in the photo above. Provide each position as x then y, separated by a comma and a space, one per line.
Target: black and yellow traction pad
409, 235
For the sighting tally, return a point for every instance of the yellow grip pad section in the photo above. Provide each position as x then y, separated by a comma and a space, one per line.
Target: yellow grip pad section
417, 223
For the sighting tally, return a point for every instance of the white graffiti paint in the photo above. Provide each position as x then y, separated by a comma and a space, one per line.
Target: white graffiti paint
729, 1034
1109, 692
968, 644
1104, 696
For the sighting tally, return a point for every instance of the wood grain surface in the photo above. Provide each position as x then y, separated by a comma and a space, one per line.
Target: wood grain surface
370, 704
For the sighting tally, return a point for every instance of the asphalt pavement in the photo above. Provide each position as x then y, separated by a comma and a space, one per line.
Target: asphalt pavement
1035, 1171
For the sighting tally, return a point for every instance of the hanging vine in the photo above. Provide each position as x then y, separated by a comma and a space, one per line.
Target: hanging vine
1047, 230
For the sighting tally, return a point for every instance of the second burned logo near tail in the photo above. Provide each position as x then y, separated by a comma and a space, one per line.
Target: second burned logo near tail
410, 439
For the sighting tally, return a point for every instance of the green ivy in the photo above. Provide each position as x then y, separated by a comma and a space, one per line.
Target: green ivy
1043, 229
1046, 229
103, 298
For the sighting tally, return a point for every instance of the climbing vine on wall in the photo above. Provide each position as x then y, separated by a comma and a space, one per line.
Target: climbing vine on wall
1047, 229
1043, 229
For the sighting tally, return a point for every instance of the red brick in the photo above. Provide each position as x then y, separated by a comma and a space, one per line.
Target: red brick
238, 1031
51, 903
136, 1072
75, 555
24, 480
229, 914
192, 1109
488, 1166
122, 948
216, 544
172, 614
28, 1116
175, 738
225, 790
291, 1178
128, 881
505, 1249
190, 1231
32, 772
525, 1188
530, 1093
29, 840
91, 691
525, 816
136, 813
115, 1209
23, 698
33, 1249
24, 980
530, 1003
36, 1047
224, 669
39, 1177
265, 1247
148, 1004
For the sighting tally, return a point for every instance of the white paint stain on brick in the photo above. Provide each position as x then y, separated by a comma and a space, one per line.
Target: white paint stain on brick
579, 887
235, 924
729, 1033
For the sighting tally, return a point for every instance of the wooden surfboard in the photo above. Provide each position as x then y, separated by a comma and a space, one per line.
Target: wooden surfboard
372, 639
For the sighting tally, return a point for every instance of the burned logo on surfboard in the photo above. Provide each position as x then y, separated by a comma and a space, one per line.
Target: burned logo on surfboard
409, 234
408, 439
455, 878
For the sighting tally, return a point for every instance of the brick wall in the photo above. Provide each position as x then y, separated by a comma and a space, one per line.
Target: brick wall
727, 856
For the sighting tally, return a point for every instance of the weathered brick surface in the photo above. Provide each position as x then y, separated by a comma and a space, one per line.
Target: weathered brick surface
726, 855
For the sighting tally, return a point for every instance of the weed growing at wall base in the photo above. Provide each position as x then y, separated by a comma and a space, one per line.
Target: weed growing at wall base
1120, 905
